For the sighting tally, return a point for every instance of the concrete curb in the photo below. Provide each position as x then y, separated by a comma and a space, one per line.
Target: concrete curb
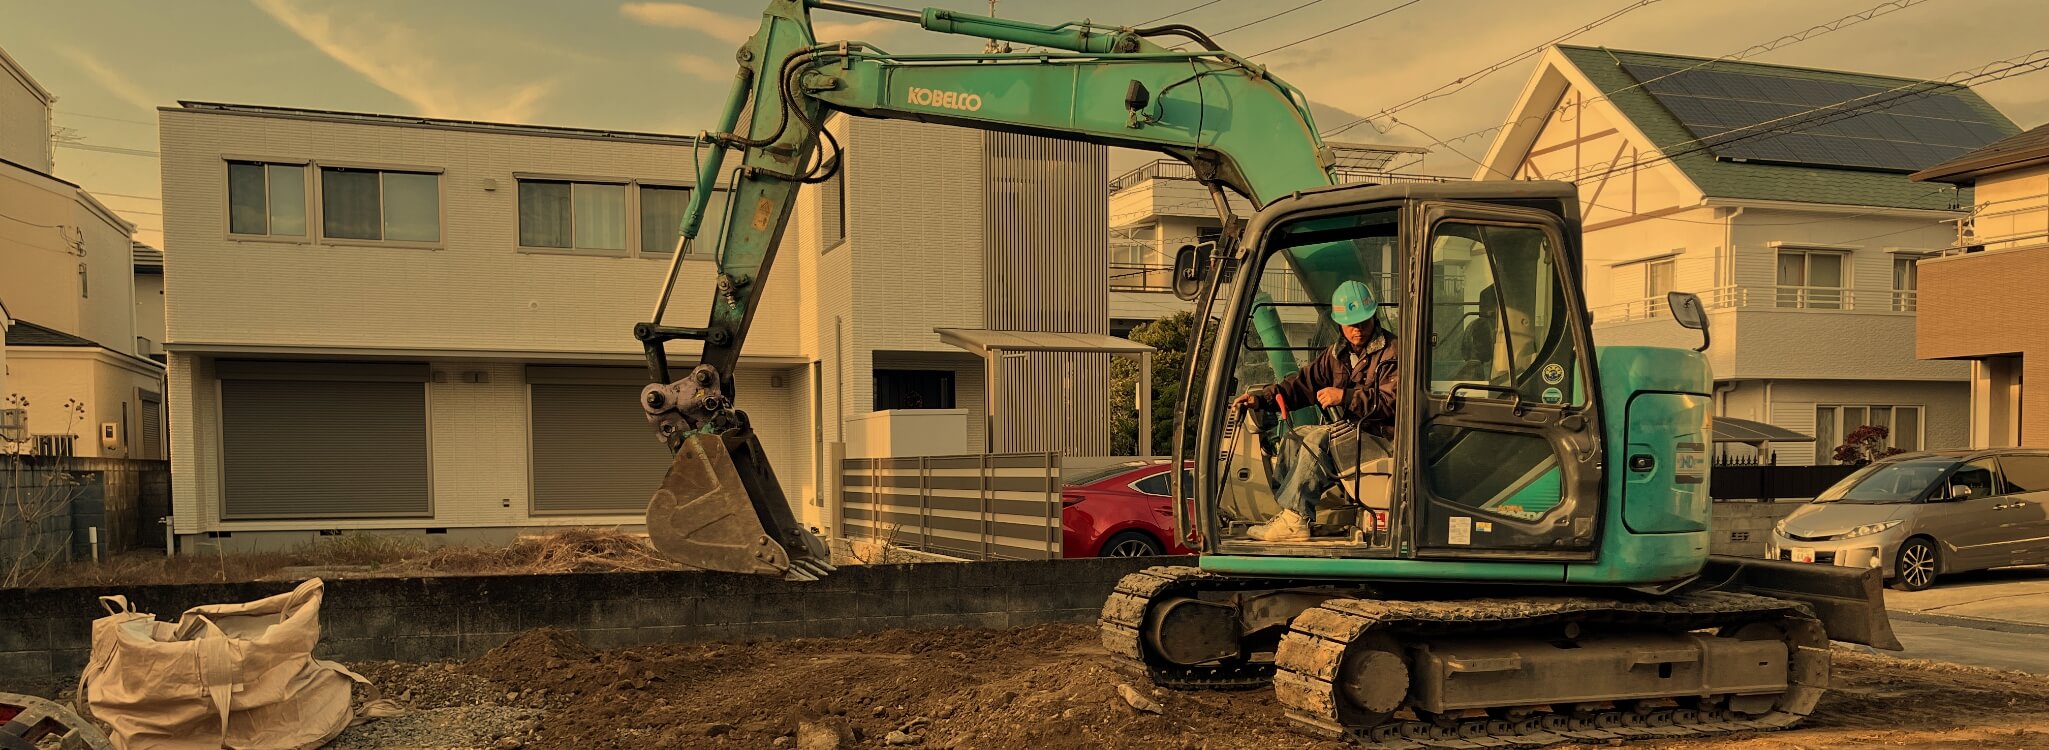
1962, 621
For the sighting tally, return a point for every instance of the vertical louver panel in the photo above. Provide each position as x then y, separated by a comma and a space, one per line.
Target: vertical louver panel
324, 449
152, 427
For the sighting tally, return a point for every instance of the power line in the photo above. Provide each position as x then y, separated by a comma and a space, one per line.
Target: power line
1178, 12
1743, 54
109, 149
1336, 29
18, 220
1266, 19
98, 194
1463, 82
69, 113
2019, 65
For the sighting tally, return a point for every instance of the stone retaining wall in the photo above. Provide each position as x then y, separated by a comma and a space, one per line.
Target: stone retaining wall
46, 633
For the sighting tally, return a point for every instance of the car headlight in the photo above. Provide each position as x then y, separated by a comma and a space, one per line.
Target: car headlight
1780, 527
1868, 529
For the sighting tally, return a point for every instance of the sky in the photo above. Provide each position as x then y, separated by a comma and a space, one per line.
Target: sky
665, 66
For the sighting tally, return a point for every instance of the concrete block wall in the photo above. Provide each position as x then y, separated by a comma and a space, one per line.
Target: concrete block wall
45, 634
1743, 527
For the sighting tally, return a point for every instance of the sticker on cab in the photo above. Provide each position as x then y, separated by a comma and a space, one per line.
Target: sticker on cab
1554, 373
1554, 396
1459, 530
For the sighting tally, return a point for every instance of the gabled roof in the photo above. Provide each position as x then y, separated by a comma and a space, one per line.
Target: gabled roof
2013, 152
1718, 178
24, 333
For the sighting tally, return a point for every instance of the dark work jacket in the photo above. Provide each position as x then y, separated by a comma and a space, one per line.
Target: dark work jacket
1369, 383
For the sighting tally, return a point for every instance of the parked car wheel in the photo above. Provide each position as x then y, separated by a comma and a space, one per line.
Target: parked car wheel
1917, 563
1132, 544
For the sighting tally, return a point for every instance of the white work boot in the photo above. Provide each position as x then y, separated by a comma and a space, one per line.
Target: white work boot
1289, 526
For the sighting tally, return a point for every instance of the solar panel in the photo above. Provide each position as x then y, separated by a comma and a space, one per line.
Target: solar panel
1793, 120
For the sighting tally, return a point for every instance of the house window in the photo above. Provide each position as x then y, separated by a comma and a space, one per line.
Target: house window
661, 218
375, 204
572, 215
1906, 281
1811, 279
1833, 424
266, 199
913, 389
1657, 282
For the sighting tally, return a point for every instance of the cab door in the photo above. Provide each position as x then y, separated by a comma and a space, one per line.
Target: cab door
1506, 458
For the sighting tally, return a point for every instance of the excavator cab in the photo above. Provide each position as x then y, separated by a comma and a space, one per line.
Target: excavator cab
1497, 436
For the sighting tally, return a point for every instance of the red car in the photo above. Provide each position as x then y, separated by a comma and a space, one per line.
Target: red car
1121, 510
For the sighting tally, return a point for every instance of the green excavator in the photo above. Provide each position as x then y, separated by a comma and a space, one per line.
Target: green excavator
1525, 562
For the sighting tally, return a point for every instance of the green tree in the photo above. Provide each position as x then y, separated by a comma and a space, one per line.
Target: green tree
1169, 337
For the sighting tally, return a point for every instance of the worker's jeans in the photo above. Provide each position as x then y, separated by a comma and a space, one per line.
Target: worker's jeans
1310, 466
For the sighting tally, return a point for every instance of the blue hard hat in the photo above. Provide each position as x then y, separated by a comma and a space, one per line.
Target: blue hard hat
1353, 303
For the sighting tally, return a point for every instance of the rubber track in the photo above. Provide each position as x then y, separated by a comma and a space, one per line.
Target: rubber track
1124, 615
1311, 653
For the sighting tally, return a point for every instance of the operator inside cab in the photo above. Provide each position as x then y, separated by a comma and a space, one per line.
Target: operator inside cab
1352, 384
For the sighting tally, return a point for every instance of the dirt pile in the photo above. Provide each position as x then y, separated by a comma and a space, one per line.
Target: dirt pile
1053, 687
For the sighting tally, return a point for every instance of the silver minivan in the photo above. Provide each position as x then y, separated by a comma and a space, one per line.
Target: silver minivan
1920, 515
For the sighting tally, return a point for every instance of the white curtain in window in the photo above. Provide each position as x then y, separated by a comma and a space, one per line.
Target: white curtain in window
543, 214
600, 216
412, 207
348, 204
1906, 429
287, 199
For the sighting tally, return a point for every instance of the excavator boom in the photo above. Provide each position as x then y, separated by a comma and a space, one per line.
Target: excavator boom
1244, 130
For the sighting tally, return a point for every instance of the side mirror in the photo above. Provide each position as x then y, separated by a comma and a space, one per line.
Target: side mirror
1957, 492
1188, 264
1688, 313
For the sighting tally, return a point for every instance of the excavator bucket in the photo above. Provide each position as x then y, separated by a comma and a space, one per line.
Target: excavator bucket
720, 508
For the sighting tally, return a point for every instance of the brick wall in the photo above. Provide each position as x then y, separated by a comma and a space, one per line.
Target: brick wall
45, 634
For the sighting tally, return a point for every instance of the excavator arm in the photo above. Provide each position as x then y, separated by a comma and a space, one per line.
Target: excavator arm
1241, 128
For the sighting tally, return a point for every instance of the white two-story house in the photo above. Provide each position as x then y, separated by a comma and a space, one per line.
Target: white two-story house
82, 381
1780, 196
415, 325
1157, 207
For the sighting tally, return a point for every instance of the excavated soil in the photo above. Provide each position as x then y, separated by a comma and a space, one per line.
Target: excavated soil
1043, 687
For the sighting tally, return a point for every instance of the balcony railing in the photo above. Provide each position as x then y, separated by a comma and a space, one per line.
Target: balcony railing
1139, 277
2002, 224
1767, 297
1169, 169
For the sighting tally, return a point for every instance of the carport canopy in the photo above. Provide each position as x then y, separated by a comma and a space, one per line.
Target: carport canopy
990, 346
1749, 432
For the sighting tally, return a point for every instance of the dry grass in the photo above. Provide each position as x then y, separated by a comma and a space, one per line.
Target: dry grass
367, 555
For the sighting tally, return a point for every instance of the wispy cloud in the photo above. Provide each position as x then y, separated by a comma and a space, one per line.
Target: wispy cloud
736, 29
701, 67
121, 86
390, 55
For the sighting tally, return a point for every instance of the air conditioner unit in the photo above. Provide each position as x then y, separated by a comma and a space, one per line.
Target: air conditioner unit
13, 425
110, 435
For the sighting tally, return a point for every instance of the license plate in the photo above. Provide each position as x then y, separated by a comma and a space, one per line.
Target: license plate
1803, 554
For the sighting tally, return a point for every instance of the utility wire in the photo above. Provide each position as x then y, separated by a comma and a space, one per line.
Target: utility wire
69, 113
109, 149
1178, 12
1463, 82
1335, 29
2019, 65
1743, 54
1266, 19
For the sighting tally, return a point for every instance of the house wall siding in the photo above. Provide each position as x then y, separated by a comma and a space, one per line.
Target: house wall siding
24, 123
476, 291
1945, 411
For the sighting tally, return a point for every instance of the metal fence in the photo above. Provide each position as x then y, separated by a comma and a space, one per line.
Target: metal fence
1769, 482
998, 506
